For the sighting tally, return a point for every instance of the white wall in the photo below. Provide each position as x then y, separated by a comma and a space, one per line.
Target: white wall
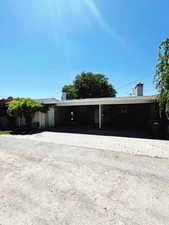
20, 122
45, 120
51, 117
96, 116
39, 118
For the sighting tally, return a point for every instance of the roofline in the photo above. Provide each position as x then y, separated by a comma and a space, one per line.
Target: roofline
108, 101
47, 101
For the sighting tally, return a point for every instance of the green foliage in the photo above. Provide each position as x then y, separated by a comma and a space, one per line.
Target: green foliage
163, 102
71, 91
90, 85
4, 132
4, 105
162, 79
25, 107
3, 109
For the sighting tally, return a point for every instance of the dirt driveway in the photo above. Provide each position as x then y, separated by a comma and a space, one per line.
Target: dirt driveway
69, 179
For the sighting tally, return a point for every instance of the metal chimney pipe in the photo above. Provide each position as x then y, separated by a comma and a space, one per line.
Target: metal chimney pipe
139, 89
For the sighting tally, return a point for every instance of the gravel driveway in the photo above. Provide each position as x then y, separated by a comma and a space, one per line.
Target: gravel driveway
73, 179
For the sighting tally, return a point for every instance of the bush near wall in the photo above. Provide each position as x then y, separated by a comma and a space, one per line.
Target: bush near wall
5, 120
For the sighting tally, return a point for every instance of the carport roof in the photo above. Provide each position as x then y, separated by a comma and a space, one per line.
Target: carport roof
47, 101
108, 101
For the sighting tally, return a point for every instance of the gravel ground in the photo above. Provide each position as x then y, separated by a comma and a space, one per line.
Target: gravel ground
73, 179
137, 146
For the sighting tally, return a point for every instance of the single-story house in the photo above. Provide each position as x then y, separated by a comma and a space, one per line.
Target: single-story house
115, 112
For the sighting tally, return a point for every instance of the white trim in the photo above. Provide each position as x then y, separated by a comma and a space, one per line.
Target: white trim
108, 101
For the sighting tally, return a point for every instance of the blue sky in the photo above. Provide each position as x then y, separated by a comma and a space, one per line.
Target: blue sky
45, 43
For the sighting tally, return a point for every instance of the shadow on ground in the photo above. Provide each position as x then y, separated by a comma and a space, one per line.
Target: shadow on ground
133, 133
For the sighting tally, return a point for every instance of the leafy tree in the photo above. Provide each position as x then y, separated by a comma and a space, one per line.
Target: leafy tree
162, 79
90, 85
25, 107
4, 106
5, 119
70, 91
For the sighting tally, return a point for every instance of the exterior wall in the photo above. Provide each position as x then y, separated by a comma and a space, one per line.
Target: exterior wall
43, 120
51, 117
36, 117
111, 115
40, 119
20, 122
96, 116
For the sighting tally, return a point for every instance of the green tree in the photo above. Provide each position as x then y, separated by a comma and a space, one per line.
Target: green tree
162, 79
25, 107
90, 85
4, 105
71, 91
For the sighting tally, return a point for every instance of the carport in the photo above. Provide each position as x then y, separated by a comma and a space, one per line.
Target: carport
77, 116
126, 115
119, 112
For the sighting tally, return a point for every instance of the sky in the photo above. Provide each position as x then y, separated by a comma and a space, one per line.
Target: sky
44, 44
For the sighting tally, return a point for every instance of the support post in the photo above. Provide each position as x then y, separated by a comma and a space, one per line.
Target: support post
19, 120
100, 116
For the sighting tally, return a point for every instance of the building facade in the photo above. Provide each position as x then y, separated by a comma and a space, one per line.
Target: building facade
118, 112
